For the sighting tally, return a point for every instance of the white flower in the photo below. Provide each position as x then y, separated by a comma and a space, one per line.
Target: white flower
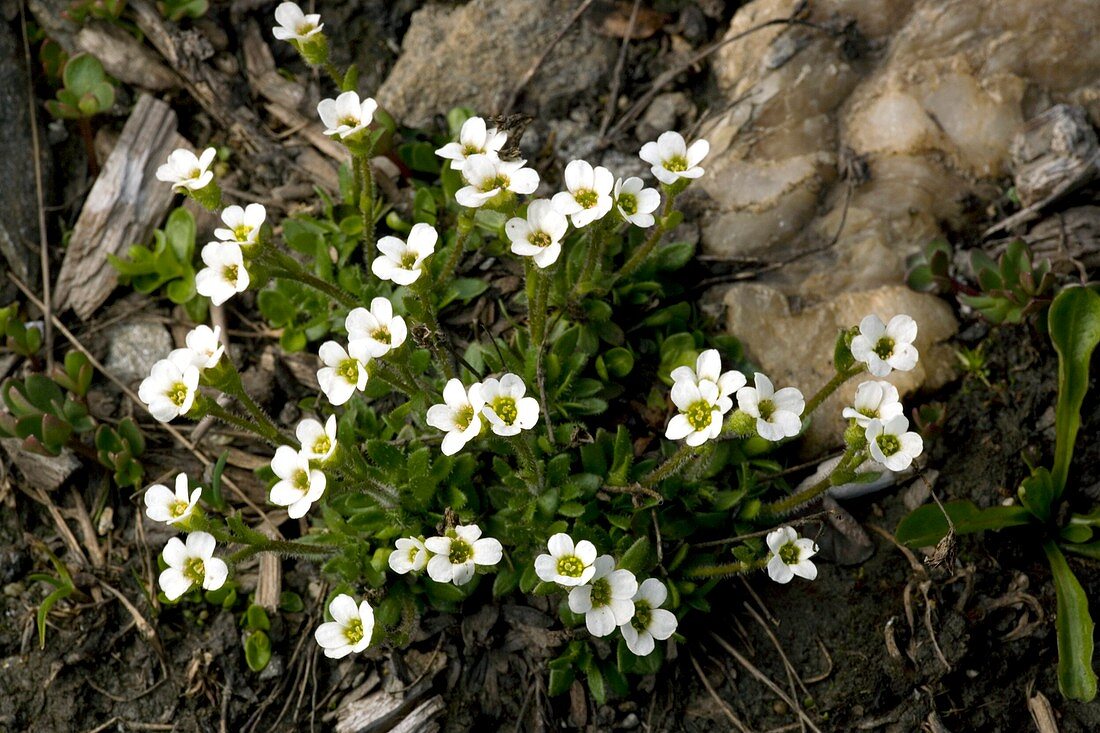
242, 225
672, 159
191, 564
224, 275
459, 416
401, 262
891, 444
708, 367
636, 203
778, 414
346, 116
411, 554
455, 557
650, 621
204, 347
299, 485
473, 139
164, 505
539, 235
171, 386
701, 409
884, 347
790, 556
588, 197
607, 600
487, 176
506, 409
874, 400
349, 631
341, 375
186, 171
294, 25
318, 441
377, 331
567, 564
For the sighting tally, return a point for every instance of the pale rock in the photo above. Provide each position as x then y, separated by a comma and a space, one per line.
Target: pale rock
474, 54
133, 349
794, 347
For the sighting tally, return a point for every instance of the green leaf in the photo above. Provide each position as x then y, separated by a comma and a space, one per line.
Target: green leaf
1092, 549
639, 558
560, 681
674, 255
1076, 678
463, 289
1074, 322
257, 651
926, 525
1037, 494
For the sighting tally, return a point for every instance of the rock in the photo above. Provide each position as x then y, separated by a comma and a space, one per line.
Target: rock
19, 222
669, 111
1055, 151
925, 104
134, 347
795, 347
474, 54
42, 472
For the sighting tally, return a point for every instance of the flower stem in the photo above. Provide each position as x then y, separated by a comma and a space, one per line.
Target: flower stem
285, 548
831, 386
672, 466
738, 567
335, 75
465, 228
537, 307
851, 459
525, 452
389, 375
268, 432
289, 268
423, 291
365, 203
642, 253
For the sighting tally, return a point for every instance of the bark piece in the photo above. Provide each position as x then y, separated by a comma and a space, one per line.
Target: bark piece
42, 472
122, 208
380, 711
124, 57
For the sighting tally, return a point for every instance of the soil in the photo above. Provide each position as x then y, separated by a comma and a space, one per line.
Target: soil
887, 644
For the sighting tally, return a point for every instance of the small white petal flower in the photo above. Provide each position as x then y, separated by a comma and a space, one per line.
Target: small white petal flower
506, 409
402, 262
885, 347
473, 139
487, 176
790, 556
171, 507
778, 413
224, 275
346, 116
299, 486
294, 25
204, 348
673, 159
171, 386
456, 556
588, 194
342, 373
635, 202
892, 444
539, 235
410, 555
377, 331
708, 367
242, 225
459, 415
874, 400
650, 622
191, 564
607, 600
566, 564
318, 441
350, 629
185, 170
701, 409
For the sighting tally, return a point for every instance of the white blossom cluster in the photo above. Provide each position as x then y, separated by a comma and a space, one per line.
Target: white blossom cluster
609, 597
452, 557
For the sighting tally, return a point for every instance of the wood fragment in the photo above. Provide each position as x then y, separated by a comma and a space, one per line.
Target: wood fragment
125, 204
1041, 712
379, 711
124, 58
421, 720
42, 472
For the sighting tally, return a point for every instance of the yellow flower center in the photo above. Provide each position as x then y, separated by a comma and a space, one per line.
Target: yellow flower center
322, 445
230, 274
884, 348
570, 566
766, 408
177, 508
300, 479
789, 553
464, 416
506, 410
382, 335
586, 197
601, 592
408, 261
499, 181
348, 121
540, 239
177, 393
888, 444
194, 569
628, 202
699, 415
348, 370
460, 552
471, 150
642, 615
353, 632
241, 233
676, 164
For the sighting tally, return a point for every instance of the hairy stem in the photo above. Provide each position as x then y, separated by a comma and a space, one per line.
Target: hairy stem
831, 386
289, 268
672, 466
851, 460
642, 253
738, 567
465, 228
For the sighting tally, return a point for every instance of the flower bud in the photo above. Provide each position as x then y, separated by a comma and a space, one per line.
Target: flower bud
742, 424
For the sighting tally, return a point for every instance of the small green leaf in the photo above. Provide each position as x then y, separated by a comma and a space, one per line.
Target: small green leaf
560, 681
1037, 494
1076, 677
257, 651
1074, 322
926, 525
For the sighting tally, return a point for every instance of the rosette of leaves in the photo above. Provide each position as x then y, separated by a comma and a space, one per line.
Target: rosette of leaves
168, 263
1013, 288
86, 92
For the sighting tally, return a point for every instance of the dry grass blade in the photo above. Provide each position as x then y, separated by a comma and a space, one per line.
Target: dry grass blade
714, 694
